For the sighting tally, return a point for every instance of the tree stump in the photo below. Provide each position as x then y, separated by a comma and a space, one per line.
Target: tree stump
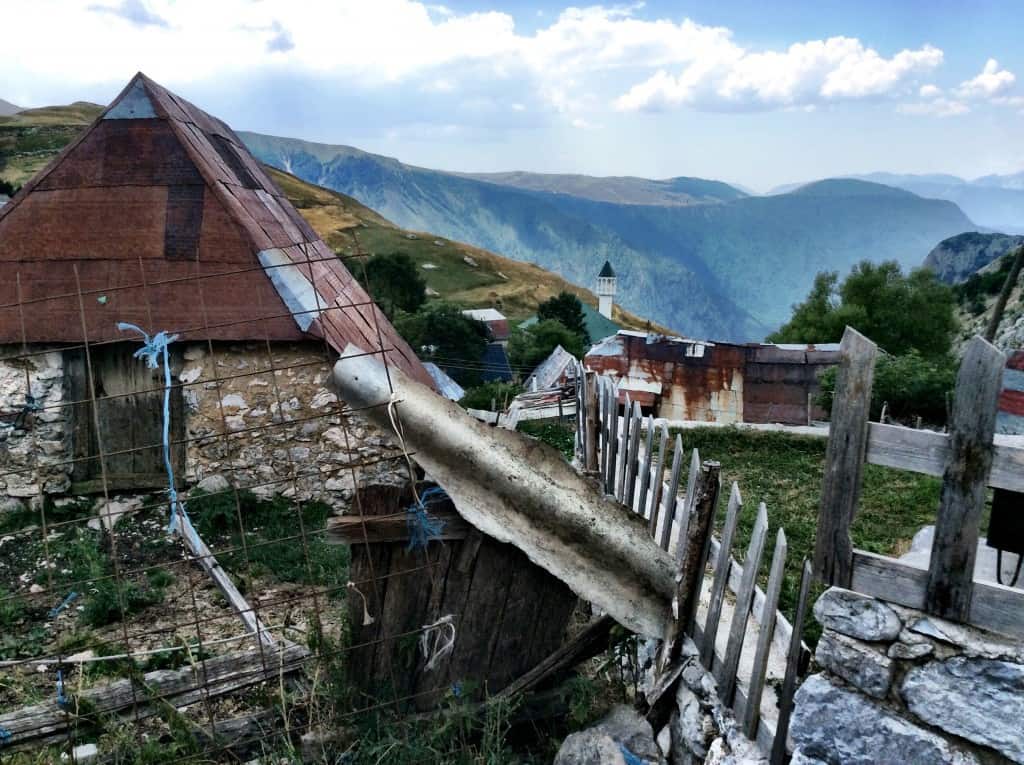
508, 613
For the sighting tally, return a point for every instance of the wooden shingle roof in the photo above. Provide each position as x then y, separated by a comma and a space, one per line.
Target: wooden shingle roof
159, 216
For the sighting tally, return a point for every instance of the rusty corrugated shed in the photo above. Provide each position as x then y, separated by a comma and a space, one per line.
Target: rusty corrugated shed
686, 379
172, 224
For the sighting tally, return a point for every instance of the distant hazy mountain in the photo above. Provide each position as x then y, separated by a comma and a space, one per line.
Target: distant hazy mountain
993, 201
722, 265
621, 190
956, 258
7, 108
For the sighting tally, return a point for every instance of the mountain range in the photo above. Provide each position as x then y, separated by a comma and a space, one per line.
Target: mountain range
701, 256
992, 201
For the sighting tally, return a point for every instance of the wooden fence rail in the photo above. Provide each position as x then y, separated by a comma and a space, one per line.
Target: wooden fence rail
969, 459
631, 466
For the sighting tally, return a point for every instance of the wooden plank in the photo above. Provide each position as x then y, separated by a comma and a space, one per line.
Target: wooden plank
752, 711
592, 421
632, 458
962, 501
609, 434
779, 753
844, 458
645, 471
993, 606
692, 551
727, 677
672, 495
721, 576
348, 529
623, 453
659, 482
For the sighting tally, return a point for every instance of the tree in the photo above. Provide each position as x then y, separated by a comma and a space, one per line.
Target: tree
899, 312
528, 347
567, 309
440, 333
8, 188
394, 282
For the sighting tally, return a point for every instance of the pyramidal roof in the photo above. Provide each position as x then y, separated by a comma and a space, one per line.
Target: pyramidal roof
606, 271
159, 216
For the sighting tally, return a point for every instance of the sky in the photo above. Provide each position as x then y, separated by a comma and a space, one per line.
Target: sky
757, 93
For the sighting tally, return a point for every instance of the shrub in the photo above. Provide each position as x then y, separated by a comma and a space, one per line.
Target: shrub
481, 396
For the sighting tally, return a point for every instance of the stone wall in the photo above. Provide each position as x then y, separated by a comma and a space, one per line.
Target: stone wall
32, 443
273, 432
897, 685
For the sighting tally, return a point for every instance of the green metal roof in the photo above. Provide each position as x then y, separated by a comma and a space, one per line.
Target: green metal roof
598, 326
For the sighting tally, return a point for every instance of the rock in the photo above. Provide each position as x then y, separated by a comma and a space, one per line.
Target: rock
589, 747
692, 730
190, 374
11, 505
235, 422
857, 663
35, 589
233, 403
839, 726
800, 758
195, 352
343, 483
83, 754
322, 398
299, 453
910, 651
973, 642
856, 615
630, 729
111, 512
214, 484
625, 728
981, 700
336, 437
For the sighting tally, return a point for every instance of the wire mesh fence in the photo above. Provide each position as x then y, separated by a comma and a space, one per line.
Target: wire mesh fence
168, 587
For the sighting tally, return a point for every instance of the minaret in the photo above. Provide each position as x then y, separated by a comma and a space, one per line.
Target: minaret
605, 290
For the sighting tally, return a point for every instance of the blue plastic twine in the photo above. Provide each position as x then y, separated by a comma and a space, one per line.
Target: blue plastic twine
5, 736
54, 612
62, 700
423, 527
629, 757
152, 348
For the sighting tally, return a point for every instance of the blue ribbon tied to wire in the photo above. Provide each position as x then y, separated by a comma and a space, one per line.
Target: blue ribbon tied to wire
154, 353
424, 527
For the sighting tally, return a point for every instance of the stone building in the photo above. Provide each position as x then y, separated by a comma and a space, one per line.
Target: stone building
159, 217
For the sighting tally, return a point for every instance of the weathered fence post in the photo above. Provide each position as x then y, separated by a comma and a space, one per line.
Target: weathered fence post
971, 428
693, 550
844, 458
590, 391
792, 668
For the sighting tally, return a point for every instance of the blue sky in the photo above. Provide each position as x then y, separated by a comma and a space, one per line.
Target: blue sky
756, 93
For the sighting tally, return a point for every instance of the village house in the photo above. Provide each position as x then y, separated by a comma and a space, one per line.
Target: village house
684, 379
159, 217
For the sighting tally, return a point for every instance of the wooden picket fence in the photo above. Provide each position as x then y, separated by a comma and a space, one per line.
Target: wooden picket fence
630, 455
968, 460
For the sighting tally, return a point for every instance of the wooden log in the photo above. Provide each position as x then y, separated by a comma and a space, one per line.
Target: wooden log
844, 459
645, 470
589, 643
993, 606
632, 459
42, 723
755, 689
353, 530
659, 482
721, 576
962, 501
672, 495
778, 752
692, 552
727, 676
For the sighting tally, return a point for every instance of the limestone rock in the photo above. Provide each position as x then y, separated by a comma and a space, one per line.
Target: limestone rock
214, 484
11, 505
859, 616
692, 729
857, 663
910, 651
800, 758
972, 641
110, 512
590, 747
981, 700
233, 403
323, 398
839, 726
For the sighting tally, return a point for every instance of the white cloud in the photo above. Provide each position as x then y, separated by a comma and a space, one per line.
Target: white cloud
937, 107
929, 91
991, 82
807, 73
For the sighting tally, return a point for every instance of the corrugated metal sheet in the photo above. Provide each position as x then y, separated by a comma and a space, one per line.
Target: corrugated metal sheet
686, 379
553, 371
157, 180
446, 386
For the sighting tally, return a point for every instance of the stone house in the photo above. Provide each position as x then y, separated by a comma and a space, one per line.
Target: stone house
158, 216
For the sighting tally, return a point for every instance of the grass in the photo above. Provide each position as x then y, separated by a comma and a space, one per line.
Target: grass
275, 545
785, 472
